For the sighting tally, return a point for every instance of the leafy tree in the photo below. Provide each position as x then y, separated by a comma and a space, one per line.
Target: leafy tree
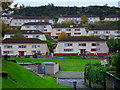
84, 20
5, 28
62, 35
70, 22
46, 19
18, 35
117, 65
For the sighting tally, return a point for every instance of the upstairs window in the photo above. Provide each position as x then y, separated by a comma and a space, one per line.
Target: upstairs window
22, 46
68, 44
38, 46
33, 46
93, 50
93, 44
83, 44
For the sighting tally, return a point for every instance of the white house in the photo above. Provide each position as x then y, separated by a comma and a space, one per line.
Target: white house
19, 21
106, 32
81, 45
42, 26
27, 33
7, 18
22, 47
112, 18
77, 19
70, 30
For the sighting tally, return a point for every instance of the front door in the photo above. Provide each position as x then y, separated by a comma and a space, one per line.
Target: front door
82, 51
21, 53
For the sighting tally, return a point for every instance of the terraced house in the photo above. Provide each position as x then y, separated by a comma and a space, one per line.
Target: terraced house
27, 33
22, 47
41, 26
19, 21
106, 32
70, 30
81, 45
77, 19
112, 18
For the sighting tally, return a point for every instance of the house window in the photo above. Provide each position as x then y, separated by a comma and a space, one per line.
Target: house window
45, 27
10, 46
93, 49
37, 36
10, 52
57, 33
93, 44
58, 29
38, 46
33, 36
38, 51
83, 44
33, 46
22, 46
68, 44
26, 36
15, 23
5, 46
77, 29
71, 50
11, 36
65, 50
5, 52
33, 52
98, 49
19, 23
79, 44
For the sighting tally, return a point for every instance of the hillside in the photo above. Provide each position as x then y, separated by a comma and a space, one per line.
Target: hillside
19, 77
55, 11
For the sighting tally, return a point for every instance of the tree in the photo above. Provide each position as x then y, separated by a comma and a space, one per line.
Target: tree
62, 35
46, 19
84, 20
70, 22
5, 28
18, 35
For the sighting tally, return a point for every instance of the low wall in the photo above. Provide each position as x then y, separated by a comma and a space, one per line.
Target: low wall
95, 85
112, 82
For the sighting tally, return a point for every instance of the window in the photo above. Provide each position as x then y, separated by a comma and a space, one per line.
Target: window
33, 46
68, 44
77, 29
10, 52
58, 29
45, 29
10, 46
93, 44
22, 46
57, 33
93, 49
97, 44
4, 52
37, 36
27, 26
68, 50
65, 50
38, 46
19, 23
83, 44
15, 23
26, 36
5, 46
98, 49
38, 51
33, 52
79, 44
33, 36
11, 36
71, 49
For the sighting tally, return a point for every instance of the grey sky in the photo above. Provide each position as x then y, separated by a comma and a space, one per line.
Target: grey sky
68, 2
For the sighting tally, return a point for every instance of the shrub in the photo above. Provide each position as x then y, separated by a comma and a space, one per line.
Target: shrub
97, 73
117, 65
4, 74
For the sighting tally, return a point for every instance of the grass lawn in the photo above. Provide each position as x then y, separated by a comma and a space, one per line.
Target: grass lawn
63, 63
19, 77
70, 57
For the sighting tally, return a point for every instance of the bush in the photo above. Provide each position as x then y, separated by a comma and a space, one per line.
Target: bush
117, 65
97, 73
4, 74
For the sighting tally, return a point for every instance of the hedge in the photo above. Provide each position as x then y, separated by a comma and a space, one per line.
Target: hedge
97, 73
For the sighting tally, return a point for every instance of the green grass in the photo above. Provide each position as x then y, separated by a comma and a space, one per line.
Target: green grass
19, 77
70, 57
63, 63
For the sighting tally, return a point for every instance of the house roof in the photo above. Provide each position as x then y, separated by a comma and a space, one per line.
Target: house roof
22, 40
29, 17
68, 26
37, 23
81, 38
106, 28
113, 16
76, 16
25, 32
